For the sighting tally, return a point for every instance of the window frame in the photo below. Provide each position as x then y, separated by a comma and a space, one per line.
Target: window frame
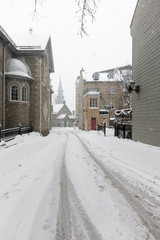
112, 90
12, 98
112, 104
93, 103
26, 94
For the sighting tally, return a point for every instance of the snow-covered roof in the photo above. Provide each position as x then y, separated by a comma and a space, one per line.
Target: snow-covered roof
116, 76
92, 93
57, 108
6, 37
71, 116
15, 67
126, 111
62, 116
104, 110
31, 41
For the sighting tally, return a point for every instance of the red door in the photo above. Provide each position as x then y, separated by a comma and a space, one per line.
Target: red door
93, 123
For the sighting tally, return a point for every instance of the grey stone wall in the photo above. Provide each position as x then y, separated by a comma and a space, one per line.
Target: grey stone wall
1, 76
40, 110
36, 112
17, 112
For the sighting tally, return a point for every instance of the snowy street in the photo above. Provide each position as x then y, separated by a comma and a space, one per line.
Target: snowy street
77, 185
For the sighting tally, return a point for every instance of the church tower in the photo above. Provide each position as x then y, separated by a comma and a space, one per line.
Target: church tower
60, 97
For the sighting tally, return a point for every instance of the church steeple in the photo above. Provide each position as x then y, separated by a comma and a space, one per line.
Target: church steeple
60, 97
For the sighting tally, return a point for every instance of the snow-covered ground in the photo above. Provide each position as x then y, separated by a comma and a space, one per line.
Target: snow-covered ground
74, 185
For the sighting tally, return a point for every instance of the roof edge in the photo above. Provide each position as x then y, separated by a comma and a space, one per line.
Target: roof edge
134, 13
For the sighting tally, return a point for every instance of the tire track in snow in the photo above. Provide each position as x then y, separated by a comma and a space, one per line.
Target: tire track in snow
23, 218
73, 222
151, 222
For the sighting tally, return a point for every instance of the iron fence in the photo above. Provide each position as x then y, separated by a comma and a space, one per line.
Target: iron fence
102, 127
10, 133
123, 131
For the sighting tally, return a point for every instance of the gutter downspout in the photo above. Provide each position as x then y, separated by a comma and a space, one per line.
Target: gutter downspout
3, 89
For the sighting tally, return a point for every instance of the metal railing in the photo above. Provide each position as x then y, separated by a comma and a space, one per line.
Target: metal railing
10, 133
123, 130
102, 127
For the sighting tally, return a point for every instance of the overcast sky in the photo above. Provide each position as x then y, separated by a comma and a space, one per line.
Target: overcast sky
107, 46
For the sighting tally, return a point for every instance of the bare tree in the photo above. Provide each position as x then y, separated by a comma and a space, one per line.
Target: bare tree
86, 12
87, 9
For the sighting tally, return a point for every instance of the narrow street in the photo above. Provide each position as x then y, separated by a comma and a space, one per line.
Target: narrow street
66, 187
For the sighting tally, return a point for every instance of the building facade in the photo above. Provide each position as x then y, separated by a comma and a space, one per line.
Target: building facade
25, 91
62, 116
98, 95
145, 32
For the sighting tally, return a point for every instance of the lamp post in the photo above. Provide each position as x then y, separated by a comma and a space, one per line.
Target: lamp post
132, 87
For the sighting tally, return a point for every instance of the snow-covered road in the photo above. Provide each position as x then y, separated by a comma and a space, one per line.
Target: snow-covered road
74, 185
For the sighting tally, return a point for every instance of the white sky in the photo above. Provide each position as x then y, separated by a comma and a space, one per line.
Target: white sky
107, 46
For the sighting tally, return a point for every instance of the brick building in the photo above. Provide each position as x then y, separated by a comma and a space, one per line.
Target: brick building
25, 91
98, 95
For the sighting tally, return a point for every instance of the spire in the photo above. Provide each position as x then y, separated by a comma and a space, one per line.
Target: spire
60, 97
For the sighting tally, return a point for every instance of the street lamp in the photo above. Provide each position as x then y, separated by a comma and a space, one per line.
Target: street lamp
131, 86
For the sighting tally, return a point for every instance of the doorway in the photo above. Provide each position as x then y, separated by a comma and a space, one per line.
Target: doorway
93, 123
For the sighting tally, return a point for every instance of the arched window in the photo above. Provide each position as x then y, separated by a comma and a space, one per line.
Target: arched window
24, 94
14, 93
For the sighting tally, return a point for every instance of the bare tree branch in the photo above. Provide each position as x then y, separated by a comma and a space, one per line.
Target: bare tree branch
86, 12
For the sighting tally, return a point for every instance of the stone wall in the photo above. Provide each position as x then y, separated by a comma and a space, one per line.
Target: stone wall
17, 112
45, 96
1, 77
36, 111
90, 113
107, 97
4, 55
40, 110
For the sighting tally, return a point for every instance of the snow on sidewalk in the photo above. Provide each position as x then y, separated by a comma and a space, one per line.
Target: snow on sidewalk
26, 172
30, 183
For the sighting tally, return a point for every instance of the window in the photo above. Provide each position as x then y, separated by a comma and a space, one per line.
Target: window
112, 104
111, 91
24, 94
93, 102
14, 93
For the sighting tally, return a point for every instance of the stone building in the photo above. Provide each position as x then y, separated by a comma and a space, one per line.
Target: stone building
25, 91
145, 32
98, 95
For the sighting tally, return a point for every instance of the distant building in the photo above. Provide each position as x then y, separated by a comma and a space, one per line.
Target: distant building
62, 116
60, 97
25, 91
145, 32
99, 94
